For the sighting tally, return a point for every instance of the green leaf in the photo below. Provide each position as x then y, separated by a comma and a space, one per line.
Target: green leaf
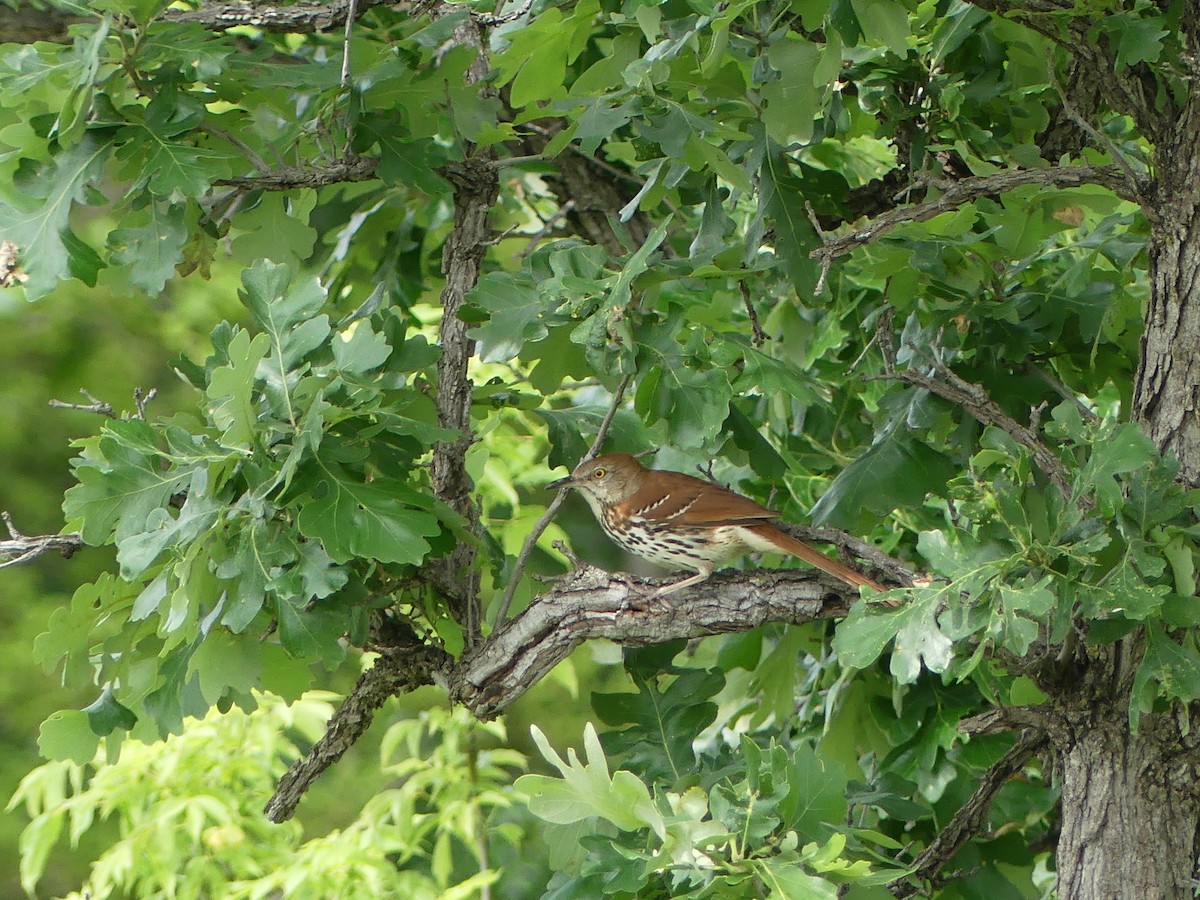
792, 99
36, 206
817, 794
365, 521
662, 723
150, 245
231, 390
587, 790
120, 485
357, 350
884, 22
514, 308
312, 633
895, 472
1126, 449
1169, 669
105, 714
68, 734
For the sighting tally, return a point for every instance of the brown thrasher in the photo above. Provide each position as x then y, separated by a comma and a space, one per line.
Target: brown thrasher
676, 520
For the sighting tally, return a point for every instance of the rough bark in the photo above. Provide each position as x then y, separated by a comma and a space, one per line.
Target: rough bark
1129, 808
1166, 396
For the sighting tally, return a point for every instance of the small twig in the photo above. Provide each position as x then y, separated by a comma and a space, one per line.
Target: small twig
22, 547
971, 816
498, 18
1100, 138
1035, 415
142, 399
966, 190
351, 15
257, 161
758, 336
547, 228
348, 124
1056, 385
975, 400
531, 540
95, 406
865, 350
707, 472
826, 261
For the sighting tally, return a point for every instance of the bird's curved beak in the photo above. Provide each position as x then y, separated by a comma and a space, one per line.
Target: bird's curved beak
561, 483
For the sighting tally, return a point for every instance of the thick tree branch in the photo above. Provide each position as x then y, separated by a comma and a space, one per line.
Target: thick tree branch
588, 603
476, 187
298, 18
971, 816
361, 168
591, 603
396, 671
966, 190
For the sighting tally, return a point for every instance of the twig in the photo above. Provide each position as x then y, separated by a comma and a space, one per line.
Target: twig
141, 400
547, 228
348, 125
758, 336
491, 21
1133, 179
22, 547
102, 407
826, 261
965, 190
1056, 385
971, 816
974, 400
542, 523
351, 15
257, 161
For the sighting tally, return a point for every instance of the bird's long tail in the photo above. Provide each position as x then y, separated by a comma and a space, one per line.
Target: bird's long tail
765, 537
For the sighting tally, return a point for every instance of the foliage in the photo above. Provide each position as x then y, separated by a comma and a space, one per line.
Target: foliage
187, 811
264, 521
727, 824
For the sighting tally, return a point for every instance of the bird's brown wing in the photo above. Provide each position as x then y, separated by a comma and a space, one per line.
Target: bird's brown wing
692, 501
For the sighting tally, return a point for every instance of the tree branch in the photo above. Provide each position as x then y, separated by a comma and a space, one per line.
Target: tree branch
298, 18
395, 671
974, 399
476, 187
21, 548
966, 190
360, 168
971, 816
591, 603
588, 603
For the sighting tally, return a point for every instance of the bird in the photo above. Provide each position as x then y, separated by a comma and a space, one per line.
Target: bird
678, 521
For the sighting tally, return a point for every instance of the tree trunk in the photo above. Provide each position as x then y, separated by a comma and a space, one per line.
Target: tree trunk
1129, 811
1166, 398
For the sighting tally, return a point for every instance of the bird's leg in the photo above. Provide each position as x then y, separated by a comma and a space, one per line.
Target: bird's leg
680, 585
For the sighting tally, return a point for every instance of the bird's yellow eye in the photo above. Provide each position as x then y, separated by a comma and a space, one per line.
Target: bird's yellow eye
599, 473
